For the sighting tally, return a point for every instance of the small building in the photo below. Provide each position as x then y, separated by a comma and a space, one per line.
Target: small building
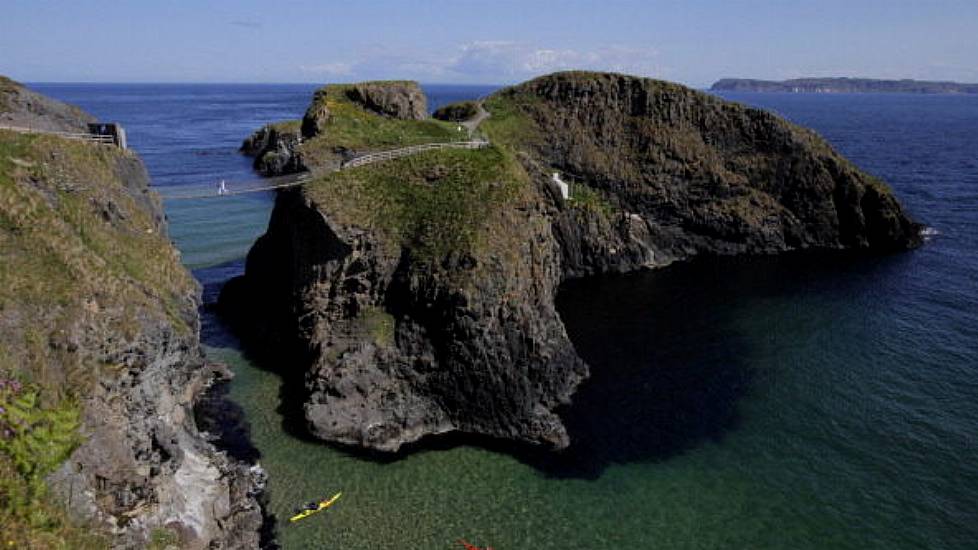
562, 185
112, 129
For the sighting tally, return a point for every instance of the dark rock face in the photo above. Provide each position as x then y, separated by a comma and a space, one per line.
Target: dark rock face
398, 352
144, 464
275, 148
685, 173
393, 350
403, 100
126, 345
455, 112
317, 116
22, 107
395, 99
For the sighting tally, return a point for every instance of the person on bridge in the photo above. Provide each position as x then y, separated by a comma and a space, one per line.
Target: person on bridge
222, 189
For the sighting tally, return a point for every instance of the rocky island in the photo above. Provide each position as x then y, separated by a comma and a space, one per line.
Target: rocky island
100, 358
415, 296
843, 85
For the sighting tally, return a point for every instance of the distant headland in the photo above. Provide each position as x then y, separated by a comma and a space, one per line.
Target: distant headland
843, 85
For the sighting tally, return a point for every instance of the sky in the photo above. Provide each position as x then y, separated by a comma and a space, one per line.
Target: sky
485, 42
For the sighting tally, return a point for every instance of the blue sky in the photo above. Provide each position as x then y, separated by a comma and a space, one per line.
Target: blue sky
501, 41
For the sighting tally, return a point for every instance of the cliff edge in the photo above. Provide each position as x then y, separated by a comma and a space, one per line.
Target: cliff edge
99, 319
416, 296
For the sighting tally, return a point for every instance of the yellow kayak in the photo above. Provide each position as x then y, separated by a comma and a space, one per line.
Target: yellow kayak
322, 506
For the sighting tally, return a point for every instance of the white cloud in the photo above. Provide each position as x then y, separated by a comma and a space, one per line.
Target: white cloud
493, 61
328, 69
514, 60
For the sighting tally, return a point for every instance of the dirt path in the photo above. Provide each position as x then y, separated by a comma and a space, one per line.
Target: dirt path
473, 123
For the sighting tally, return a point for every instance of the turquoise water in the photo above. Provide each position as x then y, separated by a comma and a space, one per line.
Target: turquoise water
752, 403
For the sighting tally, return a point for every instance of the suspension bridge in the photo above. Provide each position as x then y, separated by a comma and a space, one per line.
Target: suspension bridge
99, 134
231, 188
225, 189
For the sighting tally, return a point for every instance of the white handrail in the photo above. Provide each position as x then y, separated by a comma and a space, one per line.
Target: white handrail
68, 135
407, 151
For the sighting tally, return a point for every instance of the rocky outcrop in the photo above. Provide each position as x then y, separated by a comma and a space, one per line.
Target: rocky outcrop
455, 112
417, 296
275, 148
21, 107
396, 99
401, 344
98, 308
683, 173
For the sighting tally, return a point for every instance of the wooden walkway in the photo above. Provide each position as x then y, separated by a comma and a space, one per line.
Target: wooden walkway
107, 140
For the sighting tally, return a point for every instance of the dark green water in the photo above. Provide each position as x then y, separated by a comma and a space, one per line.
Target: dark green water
756, 403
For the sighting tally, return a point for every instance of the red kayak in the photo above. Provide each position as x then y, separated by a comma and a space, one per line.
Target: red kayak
469, 546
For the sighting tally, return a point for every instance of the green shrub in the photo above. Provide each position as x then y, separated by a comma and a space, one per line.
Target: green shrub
34, 441
583, 197
161, 538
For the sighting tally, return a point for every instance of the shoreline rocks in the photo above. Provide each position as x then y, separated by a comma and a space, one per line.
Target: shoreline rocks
275, 148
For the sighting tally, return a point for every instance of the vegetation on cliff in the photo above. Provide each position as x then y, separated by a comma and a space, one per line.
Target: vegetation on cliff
76, 244
419, 292
34, 440
98, 322
338, 121
431, 204
709, 175
76, 249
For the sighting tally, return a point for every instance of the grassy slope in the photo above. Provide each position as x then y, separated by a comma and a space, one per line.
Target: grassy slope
75, 249
7, 87
433, 203
675, 148
74, 243
353, 128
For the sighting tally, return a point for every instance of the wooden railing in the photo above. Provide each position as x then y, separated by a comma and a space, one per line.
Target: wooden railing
413, 150
109, 140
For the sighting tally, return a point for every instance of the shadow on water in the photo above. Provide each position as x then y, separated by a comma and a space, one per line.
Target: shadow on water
669, 361
667, 367
217, 332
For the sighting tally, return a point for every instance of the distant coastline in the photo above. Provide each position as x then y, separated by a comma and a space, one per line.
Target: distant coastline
843, 85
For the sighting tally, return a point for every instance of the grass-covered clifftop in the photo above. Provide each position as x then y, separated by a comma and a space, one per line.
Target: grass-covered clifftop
99, 333
432, 204
76, 243
344, 120
84, 268
342, 117
706, 175
418, 293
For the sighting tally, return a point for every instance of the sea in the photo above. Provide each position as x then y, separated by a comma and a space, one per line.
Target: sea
805, 401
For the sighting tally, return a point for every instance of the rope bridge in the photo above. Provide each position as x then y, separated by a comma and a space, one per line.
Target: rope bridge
192, 192
284, 182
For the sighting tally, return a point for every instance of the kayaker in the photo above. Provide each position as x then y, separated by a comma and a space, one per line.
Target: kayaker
308, 507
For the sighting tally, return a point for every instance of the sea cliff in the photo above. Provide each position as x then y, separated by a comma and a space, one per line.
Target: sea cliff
99, 318
416, 296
